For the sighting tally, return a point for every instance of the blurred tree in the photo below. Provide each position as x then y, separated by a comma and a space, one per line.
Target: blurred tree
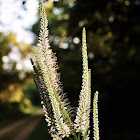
15, 70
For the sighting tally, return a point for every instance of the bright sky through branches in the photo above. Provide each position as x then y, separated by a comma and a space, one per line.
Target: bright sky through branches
14, 18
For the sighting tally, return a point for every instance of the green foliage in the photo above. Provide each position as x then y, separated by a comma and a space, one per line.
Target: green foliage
12, 77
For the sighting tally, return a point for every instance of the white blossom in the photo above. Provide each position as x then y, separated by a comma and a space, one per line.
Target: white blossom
48, 66
55, 105
95, 117
83, 111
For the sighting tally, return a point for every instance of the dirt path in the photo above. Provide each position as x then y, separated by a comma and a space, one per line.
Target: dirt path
21, 129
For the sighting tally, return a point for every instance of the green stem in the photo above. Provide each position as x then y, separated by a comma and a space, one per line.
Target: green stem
85, 135
70, 138
75, 136
79, 135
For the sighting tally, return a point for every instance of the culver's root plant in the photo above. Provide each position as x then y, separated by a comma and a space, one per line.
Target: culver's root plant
57, 109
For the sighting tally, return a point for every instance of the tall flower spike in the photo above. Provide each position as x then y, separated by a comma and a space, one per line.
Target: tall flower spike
55, 106
95, 117
46, 61
83, 111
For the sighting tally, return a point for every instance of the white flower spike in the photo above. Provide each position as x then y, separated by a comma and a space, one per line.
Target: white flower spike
56, 107
95, 117
83, 111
